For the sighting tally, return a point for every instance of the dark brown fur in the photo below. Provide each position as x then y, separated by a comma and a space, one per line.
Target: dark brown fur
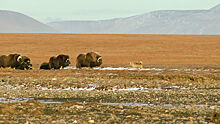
91, 59
59, 62
25, 63
11, 60
45, 66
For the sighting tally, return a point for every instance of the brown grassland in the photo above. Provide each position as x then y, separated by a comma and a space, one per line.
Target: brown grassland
117, 48
184, 87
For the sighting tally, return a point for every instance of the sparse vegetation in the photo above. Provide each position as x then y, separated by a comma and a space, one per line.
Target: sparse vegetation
183, 96
179, 85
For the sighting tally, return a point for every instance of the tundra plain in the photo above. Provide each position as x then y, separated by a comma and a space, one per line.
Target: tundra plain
179, 82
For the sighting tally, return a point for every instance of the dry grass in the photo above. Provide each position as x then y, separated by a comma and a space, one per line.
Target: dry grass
187, 61
72, 112
117, 48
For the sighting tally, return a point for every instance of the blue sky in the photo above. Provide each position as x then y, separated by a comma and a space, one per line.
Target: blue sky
55, 10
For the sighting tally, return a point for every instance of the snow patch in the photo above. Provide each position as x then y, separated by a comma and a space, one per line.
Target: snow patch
92, 87
127, 68
118, 68
12, 100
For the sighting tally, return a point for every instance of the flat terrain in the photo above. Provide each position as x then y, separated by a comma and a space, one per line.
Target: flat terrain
166, 95
116, 49
180, 82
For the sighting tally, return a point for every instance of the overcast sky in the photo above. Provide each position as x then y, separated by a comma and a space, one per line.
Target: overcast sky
55, 10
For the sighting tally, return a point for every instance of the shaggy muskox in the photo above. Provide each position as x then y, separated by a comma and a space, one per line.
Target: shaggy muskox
11, 60
15, 61
25, 63
91, 59
58, 62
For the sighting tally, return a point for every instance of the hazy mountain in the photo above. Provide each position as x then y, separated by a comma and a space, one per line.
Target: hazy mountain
156, 22
13, 22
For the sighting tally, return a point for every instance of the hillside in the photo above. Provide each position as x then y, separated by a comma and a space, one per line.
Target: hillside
156, 22
13, 22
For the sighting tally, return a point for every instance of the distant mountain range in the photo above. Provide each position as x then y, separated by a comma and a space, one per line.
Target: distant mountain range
156, 22
13, 22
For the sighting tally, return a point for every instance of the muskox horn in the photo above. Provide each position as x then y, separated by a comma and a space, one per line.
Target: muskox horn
99, 59
19, 58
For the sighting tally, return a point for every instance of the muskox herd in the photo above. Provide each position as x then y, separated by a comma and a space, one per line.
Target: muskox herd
16, 61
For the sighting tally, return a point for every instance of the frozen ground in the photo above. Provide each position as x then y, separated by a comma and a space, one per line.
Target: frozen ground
143, 69
119, 94
118, 68
92, 87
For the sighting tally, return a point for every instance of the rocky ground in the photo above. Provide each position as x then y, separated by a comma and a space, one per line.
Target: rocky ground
156, 94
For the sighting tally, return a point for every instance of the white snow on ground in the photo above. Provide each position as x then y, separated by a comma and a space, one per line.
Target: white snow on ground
91, 87
118, 68
114, 89
12, 100
8, 86
127, 68
174, 69
70, 67
55, 101
111, 74
130, 89
69, 88
128, 104
130, 69
49, 101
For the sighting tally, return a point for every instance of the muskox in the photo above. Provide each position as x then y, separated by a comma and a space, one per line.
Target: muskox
91, 59
11, 60
15, 61
58, 62
45, 66
25, 63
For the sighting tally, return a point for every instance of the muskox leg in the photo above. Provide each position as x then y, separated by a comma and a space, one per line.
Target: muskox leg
78, 65
61, 67
89, 67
